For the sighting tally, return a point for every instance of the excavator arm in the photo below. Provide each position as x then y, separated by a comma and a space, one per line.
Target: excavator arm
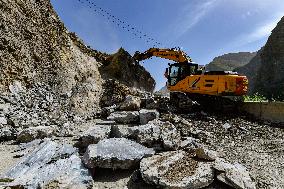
171, 54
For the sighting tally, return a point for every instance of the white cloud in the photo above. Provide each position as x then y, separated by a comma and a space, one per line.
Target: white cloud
261, 32
192, 15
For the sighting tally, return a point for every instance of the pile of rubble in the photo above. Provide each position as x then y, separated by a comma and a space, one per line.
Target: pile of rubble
132, 135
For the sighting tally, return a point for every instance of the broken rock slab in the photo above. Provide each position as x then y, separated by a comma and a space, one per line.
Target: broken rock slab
33, 133
176, 169
48, 164
148, 135
156, 134
234, 175
170, 136
131, 103
148, 115
93, 135
124, 117
115, 153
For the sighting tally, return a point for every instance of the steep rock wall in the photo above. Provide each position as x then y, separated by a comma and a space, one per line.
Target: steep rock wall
35, 47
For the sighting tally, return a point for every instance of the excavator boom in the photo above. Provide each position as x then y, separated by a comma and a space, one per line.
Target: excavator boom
172, 54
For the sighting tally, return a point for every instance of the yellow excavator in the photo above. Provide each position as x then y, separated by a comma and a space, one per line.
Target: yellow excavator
186, 77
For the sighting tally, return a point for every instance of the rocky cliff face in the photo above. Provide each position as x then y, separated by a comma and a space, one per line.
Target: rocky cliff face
250, 70
266, 70
270, 75
37, 53
230, 61
120, 66
35, 47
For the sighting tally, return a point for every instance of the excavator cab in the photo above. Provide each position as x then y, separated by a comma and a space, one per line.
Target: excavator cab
178, 71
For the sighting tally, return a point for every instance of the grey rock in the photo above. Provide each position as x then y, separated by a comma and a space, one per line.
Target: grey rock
94, 134
176, 169
106, 111
148, 135
50, 163
234, 175
148, 115
3, 121
190, 144
170, 136
156, 134
206, 154
7, 133
16, 87
115, 153
104, 122
33, 133
131, 103
124, 117
5, 107
226, 126
120, 131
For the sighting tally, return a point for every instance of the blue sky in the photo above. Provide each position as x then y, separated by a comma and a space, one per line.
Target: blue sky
202, 28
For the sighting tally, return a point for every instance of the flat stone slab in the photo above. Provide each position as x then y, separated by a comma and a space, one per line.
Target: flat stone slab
176, 169
124, 117
115, 153
48, 165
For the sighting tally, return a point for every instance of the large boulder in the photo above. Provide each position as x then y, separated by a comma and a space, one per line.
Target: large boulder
131, 103
234, 175
156, 134
148, 115
176, 169
115, 153
50, 164
93, 135
33, 133
170, 136
148, 135
124, 117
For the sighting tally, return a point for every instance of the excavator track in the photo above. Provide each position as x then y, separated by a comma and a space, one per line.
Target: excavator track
192, 102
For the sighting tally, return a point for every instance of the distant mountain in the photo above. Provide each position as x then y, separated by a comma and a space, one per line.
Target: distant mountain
266, 70
231, 61
163, 91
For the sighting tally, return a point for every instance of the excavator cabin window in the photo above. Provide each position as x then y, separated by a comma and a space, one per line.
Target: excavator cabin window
180, 71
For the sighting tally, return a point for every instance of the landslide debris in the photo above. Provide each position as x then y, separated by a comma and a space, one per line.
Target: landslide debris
121, 66
36, 49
